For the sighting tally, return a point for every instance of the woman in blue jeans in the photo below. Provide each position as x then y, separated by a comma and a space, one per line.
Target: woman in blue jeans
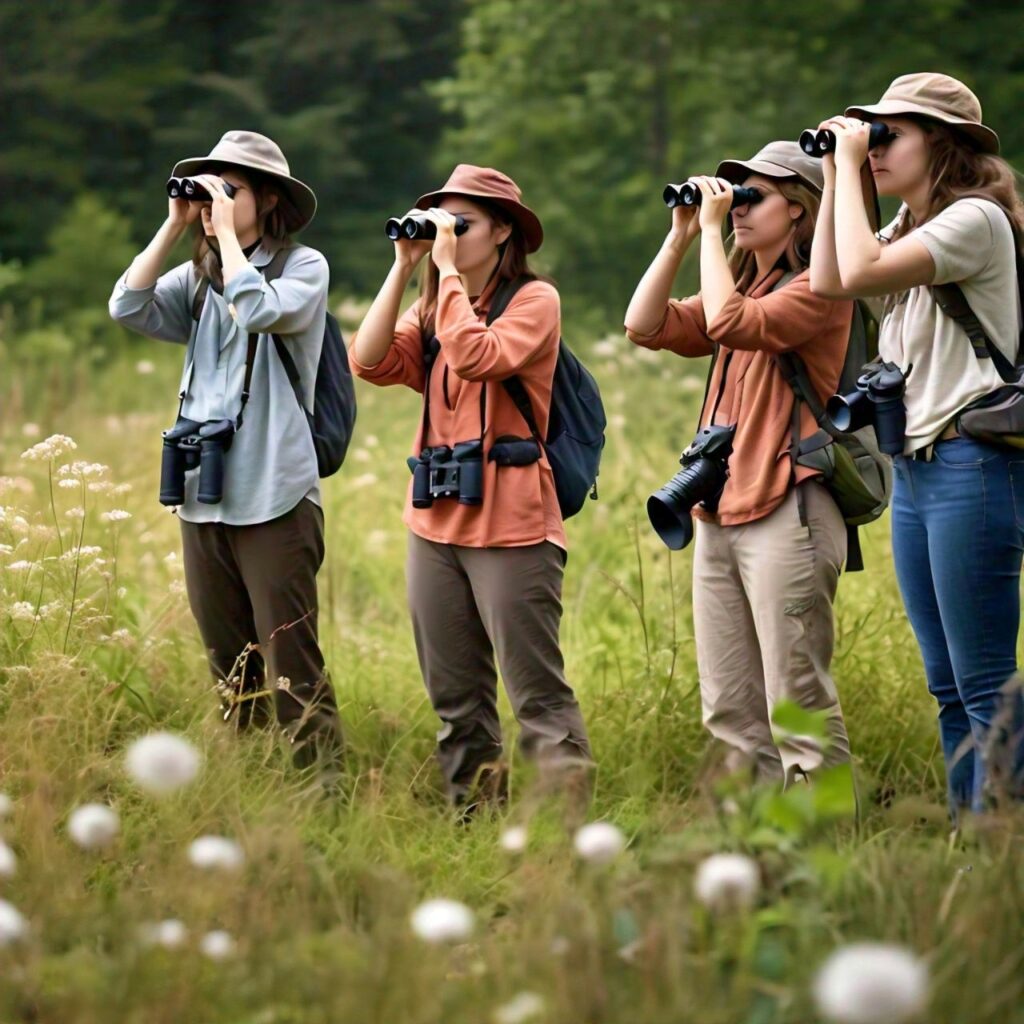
958, 504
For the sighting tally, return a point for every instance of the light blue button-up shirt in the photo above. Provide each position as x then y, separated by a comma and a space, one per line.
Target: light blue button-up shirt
271, 465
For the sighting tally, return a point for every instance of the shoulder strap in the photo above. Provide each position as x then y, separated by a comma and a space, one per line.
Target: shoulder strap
514, 386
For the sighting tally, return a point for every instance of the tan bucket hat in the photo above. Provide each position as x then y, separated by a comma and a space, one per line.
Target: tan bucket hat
486, 183
258, 153
778, 159
937, 96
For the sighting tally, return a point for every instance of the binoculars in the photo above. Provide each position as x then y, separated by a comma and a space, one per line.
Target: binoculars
819, 141
195, 191
877, 402
189, 444
417, 227
688, 194
445, 472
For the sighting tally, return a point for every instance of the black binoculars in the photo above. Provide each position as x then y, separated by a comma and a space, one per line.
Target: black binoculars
417, 227
195, 191
819, 141
705, 470
688, 194
189, 444
445, 472
878, 402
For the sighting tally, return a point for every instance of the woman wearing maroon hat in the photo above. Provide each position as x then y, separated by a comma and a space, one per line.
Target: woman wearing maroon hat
958, 503
486, 540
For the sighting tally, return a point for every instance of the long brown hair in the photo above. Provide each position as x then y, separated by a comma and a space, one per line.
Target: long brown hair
959, 170
512, 263
743, 262
277, 220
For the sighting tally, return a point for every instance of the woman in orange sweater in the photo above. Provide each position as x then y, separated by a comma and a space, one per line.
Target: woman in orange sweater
767, 561
486, 541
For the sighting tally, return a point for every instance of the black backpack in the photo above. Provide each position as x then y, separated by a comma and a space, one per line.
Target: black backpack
576, 420
332, 421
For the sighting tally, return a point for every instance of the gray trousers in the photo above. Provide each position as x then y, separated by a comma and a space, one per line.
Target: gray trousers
762, 615
468, 605
256, 586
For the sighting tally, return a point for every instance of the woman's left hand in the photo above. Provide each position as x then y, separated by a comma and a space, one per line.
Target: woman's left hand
443, 251
715, 203
218, 216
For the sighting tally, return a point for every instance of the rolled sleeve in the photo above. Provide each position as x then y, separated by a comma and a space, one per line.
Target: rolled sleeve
286, 305
160, 311
403, 361
682, 330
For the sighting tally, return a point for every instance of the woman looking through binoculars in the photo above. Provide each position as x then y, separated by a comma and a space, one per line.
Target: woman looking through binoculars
770, 544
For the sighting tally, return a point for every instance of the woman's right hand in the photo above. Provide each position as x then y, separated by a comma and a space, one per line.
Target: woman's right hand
181, 213
408, 253
828, 160
685, 223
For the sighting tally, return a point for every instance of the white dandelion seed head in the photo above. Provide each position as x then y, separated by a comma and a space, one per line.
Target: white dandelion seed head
8, 862
871, 983
169, 934
727, 881
162, 762
520, 1009
93, 826
600, 842
52, 448
217, 945
13, 927
215, 853
440, 921
514, 839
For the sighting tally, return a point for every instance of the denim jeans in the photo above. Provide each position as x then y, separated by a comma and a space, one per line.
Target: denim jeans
957, 529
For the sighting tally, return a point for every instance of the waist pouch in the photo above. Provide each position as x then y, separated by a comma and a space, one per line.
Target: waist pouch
514, 451
996, 418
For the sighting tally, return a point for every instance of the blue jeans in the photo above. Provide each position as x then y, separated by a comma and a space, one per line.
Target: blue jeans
958, 537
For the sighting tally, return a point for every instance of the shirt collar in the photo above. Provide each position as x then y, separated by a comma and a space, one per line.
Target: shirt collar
265, 251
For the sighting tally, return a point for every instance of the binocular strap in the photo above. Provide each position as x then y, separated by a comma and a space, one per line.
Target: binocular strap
431, 348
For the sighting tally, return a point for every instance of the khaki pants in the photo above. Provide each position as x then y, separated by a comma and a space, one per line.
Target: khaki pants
257, 585
762, 609
468, 605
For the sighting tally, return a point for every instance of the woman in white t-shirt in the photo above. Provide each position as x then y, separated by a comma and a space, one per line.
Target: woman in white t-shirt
958, 503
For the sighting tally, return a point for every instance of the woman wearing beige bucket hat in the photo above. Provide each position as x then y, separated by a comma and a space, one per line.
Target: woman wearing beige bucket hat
486, 554
956, 521
251, 518
770, 549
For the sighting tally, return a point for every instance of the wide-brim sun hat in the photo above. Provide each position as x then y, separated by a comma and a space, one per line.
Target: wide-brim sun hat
252, 151
940, 97
486, 183
778, 159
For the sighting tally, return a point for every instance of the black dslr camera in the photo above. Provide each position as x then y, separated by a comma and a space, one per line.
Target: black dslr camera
195, 191
445, 472
688, 194
189, 444
819, 141
417, 227
705, 469
878, 401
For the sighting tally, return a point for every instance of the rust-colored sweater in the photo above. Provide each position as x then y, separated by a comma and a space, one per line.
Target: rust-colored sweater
520, 504
751, 329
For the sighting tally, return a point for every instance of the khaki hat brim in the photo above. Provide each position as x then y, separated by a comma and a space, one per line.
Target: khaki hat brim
986, 139
528, 221
300, 193
736, 171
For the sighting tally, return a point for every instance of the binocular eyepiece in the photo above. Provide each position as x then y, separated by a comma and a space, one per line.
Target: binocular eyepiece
877, 402
417, 227
195, 191
688, 194
819, 141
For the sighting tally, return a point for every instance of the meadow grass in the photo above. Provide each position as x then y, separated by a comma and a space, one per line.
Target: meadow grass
321, 909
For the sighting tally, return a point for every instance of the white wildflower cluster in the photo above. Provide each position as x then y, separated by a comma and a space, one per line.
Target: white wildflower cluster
94, 826
441, 921
79, 470
215, 853
600, 842
872, 983
161, 763
727, 881
52, 448
115, 515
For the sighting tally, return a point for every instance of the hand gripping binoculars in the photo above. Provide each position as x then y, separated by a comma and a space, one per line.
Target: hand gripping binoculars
417, 227
195, 191
819, 141
688, 194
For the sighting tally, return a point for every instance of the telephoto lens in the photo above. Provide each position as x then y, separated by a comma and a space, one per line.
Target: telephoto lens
705, 469
196, 191
418, 228
818, 142
688, 194
878, 402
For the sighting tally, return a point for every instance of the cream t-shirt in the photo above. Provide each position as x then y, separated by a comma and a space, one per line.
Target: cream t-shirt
972, 244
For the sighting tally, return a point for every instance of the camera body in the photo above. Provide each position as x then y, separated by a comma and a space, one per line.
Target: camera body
819, 141
188, 445
195, 191
416, 227
688, 194
705, 470
878, 402
444, 472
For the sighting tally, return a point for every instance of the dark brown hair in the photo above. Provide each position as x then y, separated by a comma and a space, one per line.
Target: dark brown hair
743, 262
278, 220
